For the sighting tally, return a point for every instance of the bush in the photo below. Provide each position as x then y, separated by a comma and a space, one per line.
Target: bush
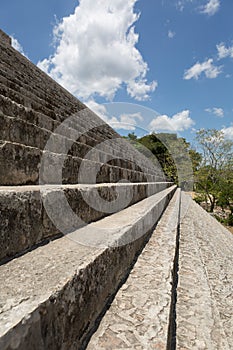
227, 222
199, 199
230, 220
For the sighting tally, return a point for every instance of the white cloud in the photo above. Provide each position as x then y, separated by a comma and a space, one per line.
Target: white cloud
17, 46
180, 5
224, 51
126, 121
171, 34
139, 89
211, 7
216, 111
96, 51
178, 122
228, 132
97, 108
207, 67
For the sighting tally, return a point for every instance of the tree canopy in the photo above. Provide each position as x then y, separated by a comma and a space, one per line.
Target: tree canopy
211, 167
213, 177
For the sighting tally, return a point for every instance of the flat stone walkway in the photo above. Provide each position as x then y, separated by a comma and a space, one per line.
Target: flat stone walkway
205, 286
138, 318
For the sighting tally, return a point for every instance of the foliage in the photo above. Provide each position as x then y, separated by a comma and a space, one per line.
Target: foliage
153, 143
172, 153
230, 220
214, 177
199, 198
212, 167
225, 221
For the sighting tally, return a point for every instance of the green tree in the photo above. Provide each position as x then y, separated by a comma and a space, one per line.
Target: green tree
154, 144
214, 176
132, 137
176, 158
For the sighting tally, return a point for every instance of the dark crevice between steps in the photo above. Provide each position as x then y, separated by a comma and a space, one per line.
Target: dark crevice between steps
122, 282
171, 338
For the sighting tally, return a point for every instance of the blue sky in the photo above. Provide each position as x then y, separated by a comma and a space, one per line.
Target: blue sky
174, 57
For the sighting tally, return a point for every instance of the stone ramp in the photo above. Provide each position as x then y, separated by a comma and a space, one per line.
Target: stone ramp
51, 296
205, 286
139, 316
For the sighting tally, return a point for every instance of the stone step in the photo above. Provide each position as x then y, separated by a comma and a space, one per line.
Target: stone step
26, 131
22, 93
12, 88
30, 75
20, 166
23, 98
48, 98
9, 109
18, 131
138, 317
27, 109
26, 222
6, 39
24, 63
16, 110
51, 296
204, 295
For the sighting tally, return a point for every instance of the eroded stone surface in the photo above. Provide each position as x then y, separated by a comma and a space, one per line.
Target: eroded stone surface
51, 296
5, 38
25, 221
33, 107
205, 289
138, 318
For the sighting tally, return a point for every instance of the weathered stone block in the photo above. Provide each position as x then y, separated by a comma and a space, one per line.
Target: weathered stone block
5, 38
19, 164
25, 223
139, 315
53, 295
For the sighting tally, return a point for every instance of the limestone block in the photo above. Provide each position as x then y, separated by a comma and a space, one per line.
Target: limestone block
204, 295
19, 164
5, 38
51, 297
25, 222
138, 318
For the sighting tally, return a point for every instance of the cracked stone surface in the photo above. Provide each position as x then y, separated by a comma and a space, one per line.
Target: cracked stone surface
139, 315
32, 109
51, 296
25, 222
205, 287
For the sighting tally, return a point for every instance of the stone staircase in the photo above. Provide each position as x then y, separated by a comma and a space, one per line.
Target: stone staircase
97, 249
66, 241
32, 109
